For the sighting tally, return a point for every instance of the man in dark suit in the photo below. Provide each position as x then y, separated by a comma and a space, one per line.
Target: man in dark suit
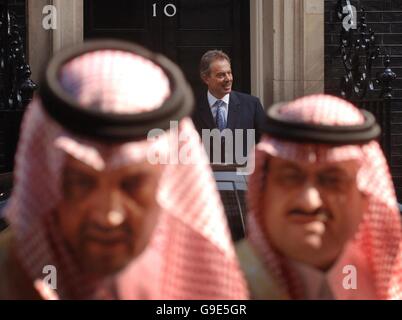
239, 117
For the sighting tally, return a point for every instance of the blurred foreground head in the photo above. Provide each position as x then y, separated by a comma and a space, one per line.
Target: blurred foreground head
98, 199
322, 197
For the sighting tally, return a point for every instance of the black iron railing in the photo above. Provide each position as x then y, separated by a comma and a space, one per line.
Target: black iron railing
359, 52
16, 87
373, 92
16, 91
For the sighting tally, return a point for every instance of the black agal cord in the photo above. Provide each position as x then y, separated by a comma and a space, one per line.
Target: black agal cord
338, 135
112, 127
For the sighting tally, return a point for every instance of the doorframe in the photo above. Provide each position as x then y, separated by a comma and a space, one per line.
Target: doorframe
42, 43
257, 49
287, 61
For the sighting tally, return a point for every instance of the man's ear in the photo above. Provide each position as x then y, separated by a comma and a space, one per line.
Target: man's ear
205, 78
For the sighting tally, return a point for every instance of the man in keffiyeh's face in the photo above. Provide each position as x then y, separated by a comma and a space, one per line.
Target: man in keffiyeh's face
317, 207
323, 220
99, 203
107, 218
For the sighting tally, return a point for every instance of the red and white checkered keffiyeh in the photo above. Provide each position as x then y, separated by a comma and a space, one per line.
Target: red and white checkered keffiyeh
379, 235
190, 255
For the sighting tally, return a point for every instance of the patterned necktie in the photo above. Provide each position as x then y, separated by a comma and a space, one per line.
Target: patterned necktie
220, 115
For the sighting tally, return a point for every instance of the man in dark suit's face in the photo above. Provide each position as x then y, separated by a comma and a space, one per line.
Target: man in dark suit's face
219, 79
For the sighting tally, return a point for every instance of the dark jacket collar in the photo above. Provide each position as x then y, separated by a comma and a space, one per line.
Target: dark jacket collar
234, 106
206, 114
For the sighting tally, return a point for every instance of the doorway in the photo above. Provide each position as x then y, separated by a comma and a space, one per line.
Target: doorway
180, 29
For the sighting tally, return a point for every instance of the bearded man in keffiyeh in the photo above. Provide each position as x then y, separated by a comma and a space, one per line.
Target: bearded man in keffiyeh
100, 203
323, 218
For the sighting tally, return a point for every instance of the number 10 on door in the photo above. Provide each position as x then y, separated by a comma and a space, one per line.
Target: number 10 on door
169, 10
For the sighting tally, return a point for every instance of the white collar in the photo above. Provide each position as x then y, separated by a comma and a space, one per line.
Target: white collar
314, 280
212, 99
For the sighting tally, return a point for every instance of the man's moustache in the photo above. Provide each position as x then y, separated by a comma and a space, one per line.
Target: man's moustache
320, 212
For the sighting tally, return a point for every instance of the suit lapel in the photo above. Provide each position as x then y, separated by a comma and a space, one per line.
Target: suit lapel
234, 108
206, 114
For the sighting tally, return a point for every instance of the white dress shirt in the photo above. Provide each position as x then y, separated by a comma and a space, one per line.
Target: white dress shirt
315, 282
214, 109
329, 285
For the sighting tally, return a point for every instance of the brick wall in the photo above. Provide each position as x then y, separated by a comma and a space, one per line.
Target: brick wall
385, 18
6, 150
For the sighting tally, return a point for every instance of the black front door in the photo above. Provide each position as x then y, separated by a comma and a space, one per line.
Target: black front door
181, 29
